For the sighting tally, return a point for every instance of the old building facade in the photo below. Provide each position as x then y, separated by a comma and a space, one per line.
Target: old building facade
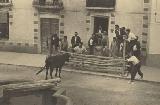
29, 22
153, 48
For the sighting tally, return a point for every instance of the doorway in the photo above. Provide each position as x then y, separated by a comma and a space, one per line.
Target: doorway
49, 26
101, 22
4, 26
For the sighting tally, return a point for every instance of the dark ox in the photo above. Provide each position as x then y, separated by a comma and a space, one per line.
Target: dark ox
57, 62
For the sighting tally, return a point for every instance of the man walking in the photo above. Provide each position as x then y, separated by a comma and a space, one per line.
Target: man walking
136, 52
135, 67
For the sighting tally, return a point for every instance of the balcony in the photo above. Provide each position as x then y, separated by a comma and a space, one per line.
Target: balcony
5, 3
48, 4
101, 4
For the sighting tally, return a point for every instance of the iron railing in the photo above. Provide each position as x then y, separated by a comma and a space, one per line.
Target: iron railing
52, 4
5, 3
101, 3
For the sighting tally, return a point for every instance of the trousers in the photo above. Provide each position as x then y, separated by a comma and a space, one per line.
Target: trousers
134, 70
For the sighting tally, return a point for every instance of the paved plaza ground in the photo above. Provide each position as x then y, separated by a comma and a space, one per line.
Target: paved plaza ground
86, 89
37, 60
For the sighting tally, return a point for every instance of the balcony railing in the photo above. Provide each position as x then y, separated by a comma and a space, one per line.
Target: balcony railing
48, 4
5, 3
100, 4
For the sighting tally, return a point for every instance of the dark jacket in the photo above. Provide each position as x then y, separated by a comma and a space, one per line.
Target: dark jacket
119, 36
137, 53
117, 32
74, 44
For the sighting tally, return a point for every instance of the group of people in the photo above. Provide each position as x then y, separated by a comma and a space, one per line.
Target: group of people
55, 44
116, 48
98, 42
124, 38
132, 51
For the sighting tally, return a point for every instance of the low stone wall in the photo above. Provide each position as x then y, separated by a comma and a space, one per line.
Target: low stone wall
18, 47
41, 90
61, 99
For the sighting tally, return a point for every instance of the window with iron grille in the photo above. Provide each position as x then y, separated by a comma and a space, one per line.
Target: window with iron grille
101, 3
4, 1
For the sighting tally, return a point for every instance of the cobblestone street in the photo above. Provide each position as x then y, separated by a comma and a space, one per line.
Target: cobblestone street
86, 89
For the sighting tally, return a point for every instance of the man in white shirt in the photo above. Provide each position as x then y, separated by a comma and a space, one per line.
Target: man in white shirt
135, 67
131, 36
131, 40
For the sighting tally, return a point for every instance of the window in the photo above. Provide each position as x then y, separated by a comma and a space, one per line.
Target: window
101, 3
146, 1
4, 1
4, 26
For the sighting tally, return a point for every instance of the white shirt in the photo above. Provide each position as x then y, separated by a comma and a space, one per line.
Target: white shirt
133, 59
135, 48
91, 42
131, 36
75, 38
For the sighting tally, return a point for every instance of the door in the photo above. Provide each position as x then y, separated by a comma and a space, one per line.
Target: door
101, 22
49, 26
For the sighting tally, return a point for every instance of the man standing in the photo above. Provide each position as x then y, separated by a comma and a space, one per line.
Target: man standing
91, 44
114, 47
136, 49
75, 40
54, 43
118, 36
131, 39
64, 44
105, 44
131, 36
105, 39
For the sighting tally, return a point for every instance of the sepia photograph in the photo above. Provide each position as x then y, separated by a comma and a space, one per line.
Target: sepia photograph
79, 52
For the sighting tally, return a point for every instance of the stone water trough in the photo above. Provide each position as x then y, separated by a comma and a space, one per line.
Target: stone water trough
44, 92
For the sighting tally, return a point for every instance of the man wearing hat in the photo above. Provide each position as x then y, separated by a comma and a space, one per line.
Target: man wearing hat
75, 40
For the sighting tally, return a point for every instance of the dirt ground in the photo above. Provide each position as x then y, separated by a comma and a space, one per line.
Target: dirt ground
86, 89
